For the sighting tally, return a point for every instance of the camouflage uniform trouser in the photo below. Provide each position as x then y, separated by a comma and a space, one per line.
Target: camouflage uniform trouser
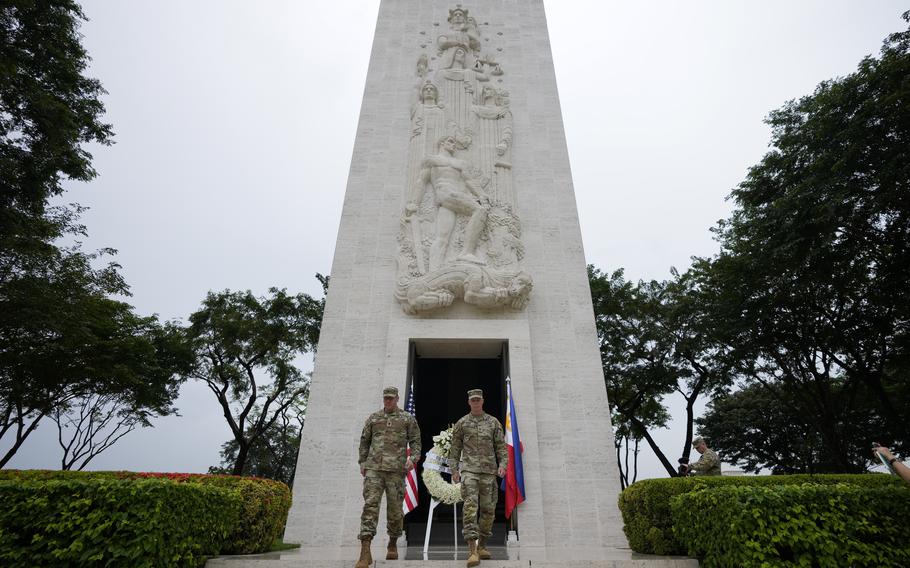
374, 483
480, 495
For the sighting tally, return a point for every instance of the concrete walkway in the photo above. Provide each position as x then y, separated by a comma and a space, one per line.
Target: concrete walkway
439, 558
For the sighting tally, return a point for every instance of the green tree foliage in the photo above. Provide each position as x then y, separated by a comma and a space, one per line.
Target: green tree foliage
750, 427
143, 385
244, 349
654, 343
807, 305
702, 362
64, 337
810, 289
635, 368
48, 111
274, 454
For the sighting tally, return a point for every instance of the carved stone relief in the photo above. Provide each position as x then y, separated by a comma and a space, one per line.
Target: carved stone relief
459, 236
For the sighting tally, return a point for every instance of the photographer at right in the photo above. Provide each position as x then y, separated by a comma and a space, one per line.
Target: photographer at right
897, 466
707, 464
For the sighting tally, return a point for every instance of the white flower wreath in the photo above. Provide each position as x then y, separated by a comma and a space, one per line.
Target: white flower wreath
433, 467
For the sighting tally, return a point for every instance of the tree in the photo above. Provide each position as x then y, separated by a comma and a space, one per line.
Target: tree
688, 325
751, 428
655, 341
97, 417
91, 424
636, 364
48, 111
274, 454
810, 286
236, 338
62, 336
626, 442
62, 339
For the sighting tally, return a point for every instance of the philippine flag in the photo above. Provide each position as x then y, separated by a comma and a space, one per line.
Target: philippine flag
514, 483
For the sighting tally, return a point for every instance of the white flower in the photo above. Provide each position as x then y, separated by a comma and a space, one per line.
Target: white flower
439, 488
442, 442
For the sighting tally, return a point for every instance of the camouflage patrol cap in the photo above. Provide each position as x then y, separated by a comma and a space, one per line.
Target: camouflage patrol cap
389, 391
697, 440
475, 393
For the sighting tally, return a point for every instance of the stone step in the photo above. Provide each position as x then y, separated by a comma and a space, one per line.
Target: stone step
299, 559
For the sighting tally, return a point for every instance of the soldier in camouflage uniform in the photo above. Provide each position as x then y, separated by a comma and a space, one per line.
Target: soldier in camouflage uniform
478, 444
384, 461
708, 463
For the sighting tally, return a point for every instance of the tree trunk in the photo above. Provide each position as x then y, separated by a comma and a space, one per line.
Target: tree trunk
657, 451
243, 450
20, 439
622, 475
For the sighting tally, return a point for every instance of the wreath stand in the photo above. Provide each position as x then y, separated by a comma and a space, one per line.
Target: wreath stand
438, 464
426, 539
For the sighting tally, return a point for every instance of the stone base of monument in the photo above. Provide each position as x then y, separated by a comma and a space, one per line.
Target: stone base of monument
606, 558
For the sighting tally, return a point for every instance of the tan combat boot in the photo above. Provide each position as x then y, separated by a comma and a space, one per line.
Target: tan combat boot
473, 559
482, 551
365, 557
392, 552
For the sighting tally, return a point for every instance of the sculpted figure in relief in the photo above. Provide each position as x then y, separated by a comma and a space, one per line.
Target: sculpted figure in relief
459, 236
457, 85
427, 120
457, 190
493, 141
463, 32
475, 284
429, 94
504, 248
491, 108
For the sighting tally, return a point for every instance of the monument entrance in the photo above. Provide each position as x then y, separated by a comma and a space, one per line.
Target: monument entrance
442, 371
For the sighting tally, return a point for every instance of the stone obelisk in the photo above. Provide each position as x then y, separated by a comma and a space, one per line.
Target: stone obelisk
460, 229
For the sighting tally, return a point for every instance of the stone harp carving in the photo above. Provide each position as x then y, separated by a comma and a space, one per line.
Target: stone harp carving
459, 236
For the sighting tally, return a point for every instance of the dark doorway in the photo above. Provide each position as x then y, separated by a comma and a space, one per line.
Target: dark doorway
440, 387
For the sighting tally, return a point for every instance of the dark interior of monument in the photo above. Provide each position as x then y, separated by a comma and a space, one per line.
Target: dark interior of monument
440, 396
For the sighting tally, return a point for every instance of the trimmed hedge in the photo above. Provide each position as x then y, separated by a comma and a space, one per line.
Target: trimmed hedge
264, 510
97, 521
263, 503
645, 505
795, 525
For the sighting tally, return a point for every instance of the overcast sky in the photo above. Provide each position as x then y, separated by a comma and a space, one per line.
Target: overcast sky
235, 124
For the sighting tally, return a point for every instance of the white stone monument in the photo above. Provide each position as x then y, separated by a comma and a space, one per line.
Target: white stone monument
459, 239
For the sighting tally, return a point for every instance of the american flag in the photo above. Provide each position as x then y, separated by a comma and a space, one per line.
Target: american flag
410, 480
